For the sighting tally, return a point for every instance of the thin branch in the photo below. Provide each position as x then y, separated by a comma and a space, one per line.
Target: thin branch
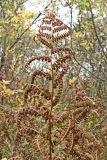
5, 54
87, 69
18, 38
93, 22
98, 41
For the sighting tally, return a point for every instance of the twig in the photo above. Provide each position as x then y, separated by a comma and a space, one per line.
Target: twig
86, 68
18, 38
92, 15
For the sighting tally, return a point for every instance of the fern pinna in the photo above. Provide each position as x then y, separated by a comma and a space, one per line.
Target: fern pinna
52, 136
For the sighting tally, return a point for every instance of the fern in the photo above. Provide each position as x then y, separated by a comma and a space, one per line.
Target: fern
73, 140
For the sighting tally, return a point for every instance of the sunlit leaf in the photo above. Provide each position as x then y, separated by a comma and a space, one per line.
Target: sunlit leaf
71, 81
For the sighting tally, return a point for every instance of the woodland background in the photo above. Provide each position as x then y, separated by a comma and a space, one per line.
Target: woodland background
88, 40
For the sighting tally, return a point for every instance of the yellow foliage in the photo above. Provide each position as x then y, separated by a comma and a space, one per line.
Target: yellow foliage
71, 81
79, 35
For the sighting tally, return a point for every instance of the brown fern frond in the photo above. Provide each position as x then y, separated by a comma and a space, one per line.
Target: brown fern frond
82, 114
45, 28
79, 104
46, 21
42, 111
49, 15
71, 139
57, 27
41, 74
61, 60
60, 28
57, 97
58, 65
51, 30
24, 132
70, 127
57, 22
24, 112
27, 131
61, 49
44, 41
78, 110
40, 58
32, 89
92, 138
81, 137
83, 155
29, 111
63, 116
46, 35
76, 142
89, 156
57, 38
59, 77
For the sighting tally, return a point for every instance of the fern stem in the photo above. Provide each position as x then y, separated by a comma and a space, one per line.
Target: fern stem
50, 115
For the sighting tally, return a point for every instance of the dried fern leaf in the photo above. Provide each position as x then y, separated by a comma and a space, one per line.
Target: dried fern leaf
57, 97
41, 74
32, 89
39, 58
61, 49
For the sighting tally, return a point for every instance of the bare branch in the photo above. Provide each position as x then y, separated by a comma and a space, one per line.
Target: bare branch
93, 22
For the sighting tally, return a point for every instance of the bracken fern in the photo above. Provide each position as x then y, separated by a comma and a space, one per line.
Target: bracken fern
60, 137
